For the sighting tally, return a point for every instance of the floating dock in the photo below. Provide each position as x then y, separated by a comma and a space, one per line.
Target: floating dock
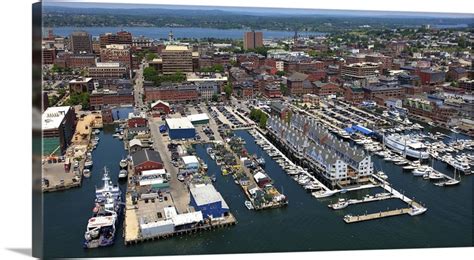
383, 214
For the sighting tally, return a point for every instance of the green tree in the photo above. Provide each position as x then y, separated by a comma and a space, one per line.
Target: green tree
228, 90
150, 56
215, 97
263, 120
281, 73
150, 73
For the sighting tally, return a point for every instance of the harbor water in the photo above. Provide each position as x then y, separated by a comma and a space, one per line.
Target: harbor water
306, 224
178, 32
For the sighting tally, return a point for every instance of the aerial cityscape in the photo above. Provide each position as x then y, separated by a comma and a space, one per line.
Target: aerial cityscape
183, 130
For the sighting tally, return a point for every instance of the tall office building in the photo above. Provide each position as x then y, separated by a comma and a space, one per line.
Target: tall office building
81, 42
122, 37
253, 40
177, 58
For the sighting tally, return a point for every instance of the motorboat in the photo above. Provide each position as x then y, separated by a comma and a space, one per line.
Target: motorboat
249, 205
382, 175
421, 170
86, 173
417, 211
435, 176
341, 204
123, 163
123, 173
323, 194
88, 163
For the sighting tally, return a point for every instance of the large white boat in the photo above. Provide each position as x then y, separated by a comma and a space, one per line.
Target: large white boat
460, 166
101, 229
406, 145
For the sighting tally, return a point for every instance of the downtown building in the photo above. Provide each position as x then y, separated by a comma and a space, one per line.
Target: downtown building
117, 53
80, 42
172, 93
253, 40
177, 59
122, 37
105, 98
108, 70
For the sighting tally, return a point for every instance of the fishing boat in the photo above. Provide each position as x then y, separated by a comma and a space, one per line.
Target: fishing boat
123, 174
116, 135
86, 173
96, 139
123, 163
249, 205
100, 231
97, 131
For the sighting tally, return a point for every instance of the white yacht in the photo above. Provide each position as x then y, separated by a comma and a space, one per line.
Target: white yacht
422, 170
341, 204
404, 144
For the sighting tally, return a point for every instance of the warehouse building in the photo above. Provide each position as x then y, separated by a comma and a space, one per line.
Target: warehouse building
199, 119
205, 198
180, 128
146, 160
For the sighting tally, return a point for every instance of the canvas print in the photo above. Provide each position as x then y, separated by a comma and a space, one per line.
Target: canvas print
188, 130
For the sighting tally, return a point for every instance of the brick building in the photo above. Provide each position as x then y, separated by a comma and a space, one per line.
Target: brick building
109, 98
295, 83
253, 40
172, 93
122, 37
326, 88
117, 53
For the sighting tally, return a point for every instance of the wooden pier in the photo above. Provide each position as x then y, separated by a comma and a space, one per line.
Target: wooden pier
383, 214
132, 239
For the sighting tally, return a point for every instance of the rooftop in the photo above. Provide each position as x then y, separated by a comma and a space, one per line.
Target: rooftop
176, 48
179, 123
145, 155
198, 117
53, 116
204, 194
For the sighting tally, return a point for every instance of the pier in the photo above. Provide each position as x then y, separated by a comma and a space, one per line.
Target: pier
372, 216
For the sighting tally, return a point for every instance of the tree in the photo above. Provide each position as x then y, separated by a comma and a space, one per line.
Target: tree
283, 89
281, 73
263, 120
150, 56
78, 99
150, 73
215, 97
228, 90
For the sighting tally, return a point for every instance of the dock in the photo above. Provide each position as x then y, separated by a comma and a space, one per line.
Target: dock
383, 214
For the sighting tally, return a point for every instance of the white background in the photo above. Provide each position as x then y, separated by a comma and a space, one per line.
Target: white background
15, 123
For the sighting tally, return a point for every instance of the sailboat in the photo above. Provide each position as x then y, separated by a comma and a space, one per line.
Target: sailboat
453, 181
